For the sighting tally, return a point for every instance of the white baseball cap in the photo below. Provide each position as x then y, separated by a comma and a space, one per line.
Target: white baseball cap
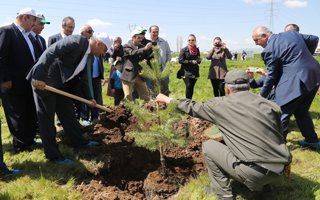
42, 19
27, 11
139, 30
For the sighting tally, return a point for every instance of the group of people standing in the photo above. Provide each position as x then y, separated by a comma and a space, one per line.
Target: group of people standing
254, 129
27, 67
189, 58
71, 63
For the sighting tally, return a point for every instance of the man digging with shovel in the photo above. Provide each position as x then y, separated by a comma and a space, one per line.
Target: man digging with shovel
64, 65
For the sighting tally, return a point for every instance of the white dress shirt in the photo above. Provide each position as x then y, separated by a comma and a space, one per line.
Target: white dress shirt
26, 37
81, 65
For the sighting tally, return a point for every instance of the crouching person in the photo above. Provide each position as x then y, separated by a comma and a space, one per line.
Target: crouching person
64, 65
255, 152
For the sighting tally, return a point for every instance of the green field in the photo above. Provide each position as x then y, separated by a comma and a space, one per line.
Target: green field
43, 180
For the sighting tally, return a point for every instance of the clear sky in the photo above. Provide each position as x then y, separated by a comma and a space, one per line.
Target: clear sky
232, 20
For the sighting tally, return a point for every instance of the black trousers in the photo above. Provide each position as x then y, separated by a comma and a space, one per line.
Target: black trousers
218, 87
1, 150
21, 118
97, 92
118, 96
85, 112
190, 83
46, 107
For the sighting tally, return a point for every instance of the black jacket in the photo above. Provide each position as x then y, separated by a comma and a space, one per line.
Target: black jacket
15, 59
188, 69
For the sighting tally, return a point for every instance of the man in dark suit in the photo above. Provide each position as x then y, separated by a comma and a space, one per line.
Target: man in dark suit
61, 63
17, 57
4, 171
67, 28
38, 40
68, 25
295, 76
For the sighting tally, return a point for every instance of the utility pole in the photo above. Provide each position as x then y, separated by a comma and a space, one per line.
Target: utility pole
271, 16
132, 27
179, 43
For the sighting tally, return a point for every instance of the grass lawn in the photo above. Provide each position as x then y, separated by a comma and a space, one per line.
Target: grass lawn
44, 180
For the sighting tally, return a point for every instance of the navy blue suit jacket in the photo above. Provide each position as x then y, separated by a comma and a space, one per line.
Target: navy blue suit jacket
58, 63
291, 67
54, 38
15, 59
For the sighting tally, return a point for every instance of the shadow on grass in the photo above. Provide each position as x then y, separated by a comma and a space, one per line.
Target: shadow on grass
58, 173
297, 188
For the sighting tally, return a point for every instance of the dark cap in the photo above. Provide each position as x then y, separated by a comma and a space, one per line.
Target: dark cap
236, 76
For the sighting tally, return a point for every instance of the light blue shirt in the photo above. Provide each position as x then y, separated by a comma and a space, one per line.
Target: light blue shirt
116, 75
96, 67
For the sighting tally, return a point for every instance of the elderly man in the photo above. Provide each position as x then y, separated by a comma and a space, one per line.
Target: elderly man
17, 56
254, 152
294, 76
86, 31
61, 63
165, 54
68, 25
134, 52
38, 41
291, 27
96, 71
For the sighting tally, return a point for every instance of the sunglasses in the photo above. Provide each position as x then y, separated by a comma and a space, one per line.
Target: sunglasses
191, 40
90, 31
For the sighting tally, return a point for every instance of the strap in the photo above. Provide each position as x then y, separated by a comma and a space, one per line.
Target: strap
89, 75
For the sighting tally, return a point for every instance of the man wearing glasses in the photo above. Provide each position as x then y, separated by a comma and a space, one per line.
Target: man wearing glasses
85, 112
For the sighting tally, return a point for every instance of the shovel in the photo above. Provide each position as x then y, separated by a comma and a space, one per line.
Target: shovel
83, 100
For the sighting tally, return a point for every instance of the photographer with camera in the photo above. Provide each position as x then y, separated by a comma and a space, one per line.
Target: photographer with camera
218, 66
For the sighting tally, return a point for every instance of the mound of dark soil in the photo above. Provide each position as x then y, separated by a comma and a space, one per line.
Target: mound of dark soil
119, 170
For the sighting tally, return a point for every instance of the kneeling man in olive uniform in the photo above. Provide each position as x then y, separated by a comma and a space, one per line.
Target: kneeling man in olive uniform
255, 152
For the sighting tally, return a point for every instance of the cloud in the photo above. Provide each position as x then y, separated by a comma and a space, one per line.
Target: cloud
98, 23
295, 3
287, 3
256, 1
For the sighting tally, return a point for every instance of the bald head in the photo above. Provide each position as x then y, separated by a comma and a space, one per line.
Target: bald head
291, 27
86, 31
98, 47
260, 35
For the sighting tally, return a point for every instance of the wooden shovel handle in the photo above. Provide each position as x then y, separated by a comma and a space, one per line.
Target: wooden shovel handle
72, 96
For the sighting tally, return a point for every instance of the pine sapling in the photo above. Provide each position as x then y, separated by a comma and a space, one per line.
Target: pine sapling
156, 126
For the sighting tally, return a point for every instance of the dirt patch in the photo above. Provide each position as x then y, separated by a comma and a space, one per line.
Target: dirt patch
119, 170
